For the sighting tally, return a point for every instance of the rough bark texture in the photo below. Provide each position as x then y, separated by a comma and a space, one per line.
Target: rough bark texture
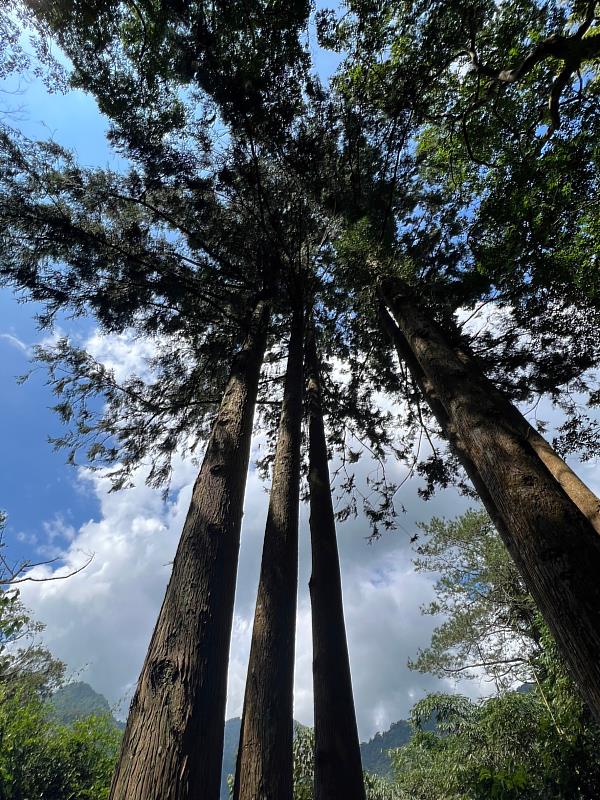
583, 497
580, 494
554, 545
173, 742
338, 770
405, 354
264, 768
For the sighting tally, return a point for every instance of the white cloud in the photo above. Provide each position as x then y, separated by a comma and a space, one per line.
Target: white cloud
100, 620
124, 353
27, 350
15, 342
59, 528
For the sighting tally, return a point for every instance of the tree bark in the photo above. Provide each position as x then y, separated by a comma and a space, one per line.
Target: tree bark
576, 489
425, 387
264, 769
583, 497
173, 742
555, 547
338, 770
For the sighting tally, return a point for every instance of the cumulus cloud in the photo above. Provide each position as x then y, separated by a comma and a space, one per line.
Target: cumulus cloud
124, 353
100, 620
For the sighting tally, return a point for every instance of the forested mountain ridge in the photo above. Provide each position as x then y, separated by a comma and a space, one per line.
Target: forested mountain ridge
77, 700
374, 753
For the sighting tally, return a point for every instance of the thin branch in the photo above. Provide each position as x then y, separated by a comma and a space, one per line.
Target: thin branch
12, 580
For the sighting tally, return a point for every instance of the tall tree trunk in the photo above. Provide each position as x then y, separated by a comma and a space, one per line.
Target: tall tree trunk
583, 497
173, 742
338, 770
424, 384
576, 489
553, 543
264, 769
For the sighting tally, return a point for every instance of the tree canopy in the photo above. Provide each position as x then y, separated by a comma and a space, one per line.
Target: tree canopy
449, 168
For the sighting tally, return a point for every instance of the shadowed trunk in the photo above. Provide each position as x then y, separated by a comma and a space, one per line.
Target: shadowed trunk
555, 547
583, 497
580, 494
424, 384
338, 770
264, 769
173, 742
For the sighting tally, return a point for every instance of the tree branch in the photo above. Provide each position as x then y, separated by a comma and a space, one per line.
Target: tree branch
571, 50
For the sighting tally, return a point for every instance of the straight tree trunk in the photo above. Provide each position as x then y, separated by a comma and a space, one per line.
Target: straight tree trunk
583, 497
405, 354
554, 545
338, 769
264, 769
578, 491
173, 743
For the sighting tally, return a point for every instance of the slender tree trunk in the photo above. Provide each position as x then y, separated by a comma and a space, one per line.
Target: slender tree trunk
264, 769
553, 543
173, 742
338, 770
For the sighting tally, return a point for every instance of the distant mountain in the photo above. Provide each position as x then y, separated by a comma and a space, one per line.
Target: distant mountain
374, 753
230, 746
78, 700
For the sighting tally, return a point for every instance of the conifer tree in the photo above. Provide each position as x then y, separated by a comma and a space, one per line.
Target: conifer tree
387, 110
264, 762
338, 771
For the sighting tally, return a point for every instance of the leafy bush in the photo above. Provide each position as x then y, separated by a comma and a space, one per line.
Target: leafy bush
42, 759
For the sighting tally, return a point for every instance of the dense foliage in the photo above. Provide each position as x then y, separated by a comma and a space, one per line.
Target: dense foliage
40, 756
517, 746
536, 742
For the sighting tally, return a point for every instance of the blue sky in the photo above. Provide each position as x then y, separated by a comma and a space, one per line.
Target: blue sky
99, 622
37, 485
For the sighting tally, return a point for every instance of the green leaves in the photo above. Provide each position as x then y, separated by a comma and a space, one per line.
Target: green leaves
490, 623
537, 742
507, 747
39, 758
